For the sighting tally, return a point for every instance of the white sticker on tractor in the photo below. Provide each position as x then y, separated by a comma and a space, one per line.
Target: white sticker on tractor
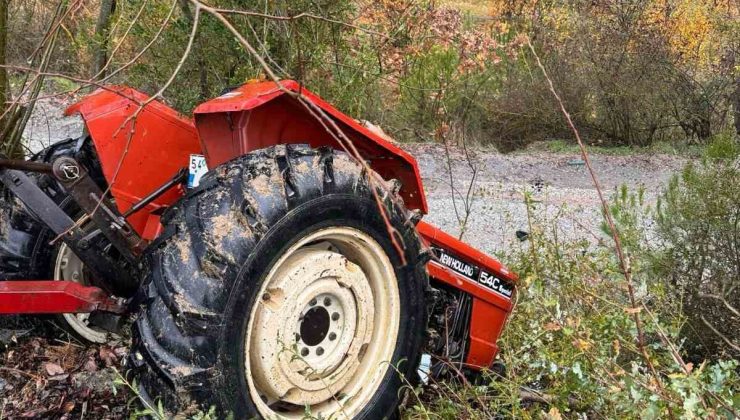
196, 170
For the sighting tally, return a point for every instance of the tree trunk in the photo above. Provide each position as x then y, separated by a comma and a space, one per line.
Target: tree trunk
9, 119
107, 8
4, 83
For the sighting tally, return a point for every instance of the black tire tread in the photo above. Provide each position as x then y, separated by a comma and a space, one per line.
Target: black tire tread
211, 230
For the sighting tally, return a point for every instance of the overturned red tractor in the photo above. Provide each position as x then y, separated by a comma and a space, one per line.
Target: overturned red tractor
295, 275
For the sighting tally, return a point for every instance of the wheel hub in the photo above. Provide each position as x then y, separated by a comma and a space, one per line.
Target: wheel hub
315, 301
314, 326
323, 333
321, 308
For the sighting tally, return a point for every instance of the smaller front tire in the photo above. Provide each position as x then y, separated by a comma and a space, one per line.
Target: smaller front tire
24, 240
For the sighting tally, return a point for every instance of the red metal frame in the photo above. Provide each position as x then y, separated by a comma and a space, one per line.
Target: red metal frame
490, 309
53, 297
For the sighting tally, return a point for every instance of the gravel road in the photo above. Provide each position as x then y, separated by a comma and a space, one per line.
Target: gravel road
559, 183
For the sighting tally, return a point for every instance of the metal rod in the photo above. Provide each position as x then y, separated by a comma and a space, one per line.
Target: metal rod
177, 179
25, 165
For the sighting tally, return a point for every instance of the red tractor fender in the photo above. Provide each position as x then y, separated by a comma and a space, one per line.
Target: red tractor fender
262, 114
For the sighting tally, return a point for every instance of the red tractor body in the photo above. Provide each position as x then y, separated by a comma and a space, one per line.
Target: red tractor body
141, 148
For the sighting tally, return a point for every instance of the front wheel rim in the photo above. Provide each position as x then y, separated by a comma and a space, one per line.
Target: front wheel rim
69, 267
323, 330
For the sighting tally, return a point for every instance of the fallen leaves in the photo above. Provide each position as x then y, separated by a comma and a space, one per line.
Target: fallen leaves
552, 326
43, 377
553, 414
53, 369
107, 356
582, 345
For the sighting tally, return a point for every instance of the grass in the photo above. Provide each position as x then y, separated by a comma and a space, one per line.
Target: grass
561, 146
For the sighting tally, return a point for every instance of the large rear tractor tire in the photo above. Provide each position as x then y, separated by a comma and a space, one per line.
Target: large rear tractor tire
277, 292
25, 253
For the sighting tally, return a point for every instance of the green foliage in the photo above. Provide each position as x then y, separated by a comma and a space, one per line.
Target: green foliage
697, 220
301, 49
570, 347
631, 73
724, 145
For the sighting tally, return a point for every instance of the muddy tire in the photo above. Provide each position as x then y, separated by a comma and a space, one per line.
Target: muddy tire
24, 240
276, 291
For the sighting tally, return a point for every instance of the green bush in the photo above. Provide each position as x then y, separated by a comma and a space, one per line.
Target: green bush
571, 345
698, 221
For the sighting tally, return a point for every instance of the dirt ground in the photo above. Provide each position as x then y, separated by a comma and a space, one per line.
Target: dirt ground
43, 373
559, 184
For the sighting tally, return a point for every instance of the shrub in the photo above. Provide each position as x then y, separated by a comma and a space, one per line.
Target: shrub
570, 347
698, 220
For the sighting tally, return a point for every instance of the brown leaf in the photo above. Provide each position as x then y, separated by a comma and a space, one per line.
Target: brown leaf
90, 365
68, 407
107, 356
553, 414
581, 344
552, 326
53, 369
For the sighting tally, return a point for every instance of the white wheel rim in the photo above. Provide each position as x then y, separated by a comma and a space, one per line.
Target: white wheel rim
69, 267
323, 330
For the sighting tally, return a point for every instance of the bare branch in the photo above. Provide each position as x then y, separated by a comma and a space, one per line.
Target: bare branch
303, 15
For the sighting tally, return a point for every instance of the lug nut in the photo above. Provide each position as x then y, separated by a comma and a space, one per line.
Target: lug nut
332, 336
327, 301
312, 302
319, 351
304, 352
335, 316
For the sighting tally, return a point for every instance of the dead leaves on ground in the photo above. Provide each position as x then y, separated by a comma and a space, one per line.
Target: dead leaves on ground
47, 378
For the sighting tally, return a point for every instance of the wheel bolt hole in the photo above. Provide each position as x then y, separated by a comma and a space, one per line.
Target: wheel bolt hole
319, 351
327, 301
304, 352
312, 302
332, 336
335, 316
